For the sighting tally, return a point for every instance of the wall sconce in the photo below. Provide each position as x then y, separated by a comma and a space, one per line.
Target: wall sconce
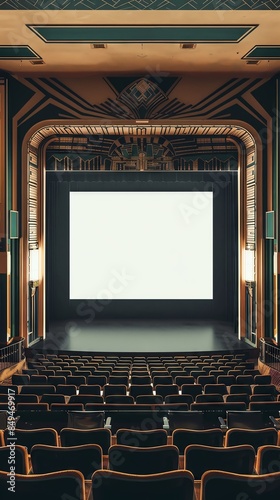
249, 266
34, 268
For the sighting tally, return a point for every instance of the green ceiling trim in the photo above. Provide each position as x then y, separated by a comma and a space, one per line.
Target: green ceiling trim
18, 52
162, 5
263, 52
142, 34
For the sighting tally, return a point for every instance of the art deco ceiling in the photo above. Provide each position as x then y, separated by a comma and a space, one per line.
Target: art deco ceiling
139, 41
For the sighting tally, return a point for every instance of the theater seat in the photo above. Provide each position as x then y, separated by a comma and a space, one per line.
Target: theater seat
208, 437
85, 458
20, 457
220, 485
268, 459
238, 459
54, 486
133, 460
31, 437
76, 437
107, 484
254, 437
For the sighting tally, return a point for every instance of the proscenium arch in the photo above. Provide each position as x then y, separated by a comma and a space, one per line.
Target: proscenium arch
249, 146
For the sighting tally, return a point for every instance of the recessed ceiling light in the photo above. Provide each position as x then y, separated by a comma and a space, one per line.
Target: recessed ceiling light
98, 45
253, 63
188, 45
37, 62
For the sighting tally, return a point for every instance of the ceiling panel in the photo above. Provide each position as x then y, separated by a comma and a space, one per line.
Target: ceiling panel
141, 34
264, 52
17, 52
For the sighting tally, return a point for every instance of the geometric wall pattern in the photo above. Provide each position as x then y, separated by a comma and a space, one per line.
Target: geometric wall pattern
139, 5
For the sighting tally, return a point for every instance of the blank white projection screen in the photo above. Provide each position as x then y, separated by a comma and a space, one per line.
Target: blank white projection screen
141, 245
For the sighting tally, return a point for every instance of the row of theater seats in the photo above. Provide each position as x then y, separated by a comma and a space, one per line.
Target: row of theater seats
150, 472
80, 377
86, 402
180, 438
105, 485
92, 394
140, 466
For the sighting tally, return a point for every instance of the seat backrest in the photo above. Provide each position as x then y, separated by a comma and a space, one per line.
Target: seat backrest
267, 408
141, 439
107, 484
20, 379
17, 457
192, 389
118, 380
226, 379
76, 437
268, 459
267, 389
206, 379
149, 399
164, 380
255, 438
56, 485
215, 389
31, 437
140, 390
151, 460
238, 459
262, 379
240, 389
33, 406
208, 437
166, 390
219, 485
240, 398
114, 389
261, 397
179, 398
38, 389
90, 389
85, 458
117, 399
52, 398
209, 398
68, 390
140, 380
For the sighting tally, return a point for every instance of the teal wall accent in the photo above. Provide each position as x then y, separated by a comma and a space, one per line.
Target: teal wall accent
17, 52
13, 227
269, 225
138, 34
140, 5
263, 52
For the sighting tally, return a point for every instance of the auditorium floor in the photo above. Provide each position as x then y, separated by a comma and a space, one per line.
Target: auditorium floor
143, 337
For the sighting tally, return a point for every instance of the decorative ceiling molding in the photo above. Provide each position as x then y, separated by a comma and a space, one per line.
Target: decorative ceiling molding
163, 5
142, 131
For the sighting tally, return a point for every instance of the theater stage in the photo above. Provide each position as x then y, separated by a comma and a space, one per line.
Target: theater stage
141, 337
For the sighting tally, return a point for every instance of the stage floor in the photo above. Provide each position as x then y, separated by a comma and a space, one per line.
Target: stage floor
142, 337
